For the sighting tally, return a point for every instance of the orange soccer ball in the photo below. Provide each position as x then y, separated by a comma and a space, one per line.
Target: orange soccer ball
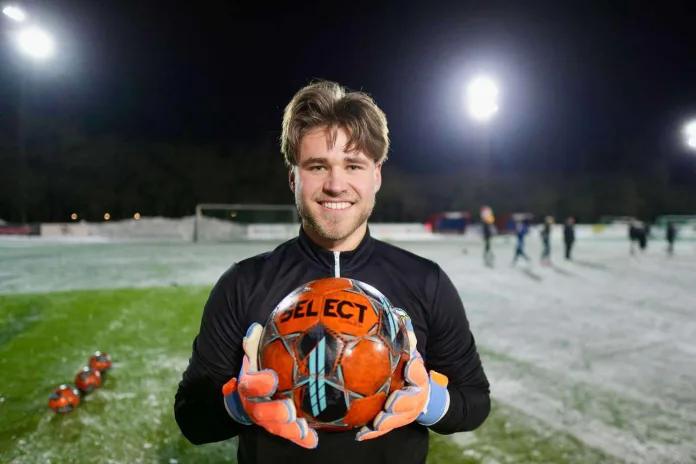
88, 379
64, 399
339, 348
101, 362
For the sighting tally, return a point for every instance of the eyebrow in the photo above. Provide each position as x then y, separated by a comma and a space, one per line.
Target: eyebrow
314, 160
354, 160
347, 159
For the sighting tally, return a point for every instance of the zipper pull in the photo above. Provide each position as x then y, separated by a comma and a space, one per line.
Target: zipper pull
337, 264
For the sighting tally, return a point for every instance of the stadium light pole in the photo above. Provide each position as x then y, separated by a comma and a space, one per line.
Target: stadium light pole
36, 44
482, 95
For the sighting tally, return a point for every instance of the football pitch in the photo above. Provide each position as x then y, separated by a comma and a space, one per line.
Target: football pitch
590, 361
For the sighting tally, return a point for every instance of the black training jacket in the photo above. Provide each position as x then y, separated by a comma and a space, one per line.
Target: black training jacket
250, 290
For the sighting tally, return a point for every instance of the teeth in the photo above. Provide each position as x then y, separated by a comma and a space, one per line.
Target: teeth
336, 205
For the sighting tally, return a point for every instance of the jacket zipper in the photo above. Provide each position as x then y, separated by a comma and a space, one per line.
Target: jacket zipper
337, 264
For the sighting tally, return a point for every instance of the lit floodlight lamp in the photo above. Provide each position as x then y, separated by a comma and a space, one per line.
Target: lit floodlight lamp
482, 98
35, 42
14, 13
690, 129
690, 134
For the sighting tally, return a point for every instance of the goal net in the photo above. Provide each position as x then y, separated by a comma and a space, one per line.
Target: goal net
216, 222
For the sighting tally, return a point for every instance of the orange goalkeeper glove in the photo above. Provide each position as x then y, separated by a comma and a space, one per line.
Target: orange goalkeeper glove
424, 398
248, 398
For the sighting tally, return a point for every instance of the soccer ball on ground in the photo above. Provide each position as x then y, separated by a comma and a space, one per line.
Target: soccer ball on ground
88, 379
64, 399
101, 362
339, 349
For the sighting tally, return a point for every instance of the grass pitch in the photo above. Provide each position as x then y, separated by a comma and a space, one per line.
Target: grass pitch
45, 339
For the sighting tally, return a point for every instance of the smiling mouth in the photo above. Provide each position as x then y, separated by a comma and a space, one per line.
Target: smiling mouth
336, 205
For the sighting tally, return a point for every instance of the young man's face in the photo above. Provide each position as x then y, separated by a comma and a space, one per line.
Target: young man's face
334, 190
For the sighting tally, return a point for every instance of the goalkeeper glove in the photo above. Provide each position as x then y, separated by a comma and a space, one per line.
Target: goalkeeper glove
423, 399
248, 398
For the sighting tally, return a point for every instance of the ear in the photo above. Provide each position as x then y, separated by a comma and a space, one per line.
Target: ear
378, 177
291, 178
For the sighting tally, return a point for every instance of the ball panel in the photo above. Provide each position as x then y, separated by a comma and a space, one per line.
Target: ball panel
363, 410
366, 366
300, 315
275, 356
397, 378
330, 284
319, 351
323, 401
393, 331
348, 313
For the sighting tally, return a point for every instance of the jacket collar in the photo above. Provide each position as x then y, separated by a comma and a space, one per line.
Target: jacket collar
337, 262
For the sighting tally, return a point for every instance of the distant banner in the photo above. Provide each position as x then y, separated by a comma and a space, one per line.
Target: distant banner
20, 229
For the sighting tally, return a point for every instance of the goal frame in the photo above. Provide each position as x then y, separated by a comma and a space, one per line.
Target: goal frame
239, 207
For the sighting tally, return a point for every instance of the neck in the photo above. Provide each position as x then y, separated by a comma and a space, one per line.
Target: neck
349, 243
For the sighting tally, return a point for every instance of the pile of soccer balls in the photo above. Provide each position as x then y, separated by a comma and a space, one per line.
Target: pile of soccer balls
66, 398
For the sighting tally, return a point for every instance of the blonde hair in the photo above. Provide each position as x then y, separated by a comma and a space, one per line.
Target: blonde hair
329, 105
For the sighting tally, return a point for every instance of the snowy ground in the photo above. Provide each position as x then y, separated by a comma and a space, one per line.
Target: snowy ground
603, 348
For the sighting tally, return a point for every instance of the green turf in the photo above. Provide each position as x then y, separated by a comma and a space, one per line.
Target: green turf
45, 339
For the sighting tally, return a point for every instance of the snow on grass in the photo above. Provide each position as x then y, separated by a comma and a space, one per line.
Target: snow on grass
589, 361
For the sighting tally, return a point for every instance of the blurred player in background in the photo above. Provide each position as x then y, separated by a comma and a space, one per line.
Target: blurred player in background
521, 230
569, 236
671, 235
334, 143
546, 241
632, 236
487, 225
637, 235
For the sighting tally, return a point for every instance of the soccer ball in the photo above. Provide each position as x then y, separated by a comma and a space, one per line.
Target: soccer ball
64, 399
88, 379
100, 361
339, 349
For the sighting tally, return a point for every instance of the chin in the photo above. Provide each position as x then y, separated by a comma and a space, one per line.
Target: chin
333, 233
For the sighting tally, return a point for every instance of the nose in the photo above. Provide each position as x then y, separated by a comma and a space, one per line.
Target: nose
336, 183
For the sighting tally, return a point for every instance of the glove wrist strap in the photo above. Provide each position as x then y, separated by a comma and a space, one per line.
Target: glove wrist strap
438, 404
233, 404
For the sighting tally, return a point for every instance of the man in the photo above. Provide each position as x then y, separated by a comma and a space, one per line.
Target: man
637, 234
569, 236
546, 241
671, 235
521, 229
334, 144
487, 224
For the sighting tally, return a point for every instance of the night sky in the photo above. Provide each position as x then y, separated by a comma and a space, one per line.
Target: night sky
599, 84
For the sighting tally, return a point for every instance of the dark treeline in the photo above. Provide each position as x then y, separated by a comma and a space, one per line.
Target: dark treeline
70, 171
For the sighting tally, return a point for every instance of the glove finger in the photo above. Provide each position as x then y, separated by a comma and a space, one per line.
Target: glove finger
412, 340
297, 432
387, 422
258, 384
230, 387
272, 412
311, 440
250, 344
367, 433
415, 372
406, 400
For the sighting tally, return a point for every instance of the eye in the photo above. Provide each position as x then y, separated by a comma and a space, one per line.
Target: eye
316, 168
354, 167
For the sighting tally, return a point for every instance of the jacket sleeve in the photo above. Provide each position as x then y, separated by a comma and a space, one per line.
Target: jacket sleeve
451, 350
217, 353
